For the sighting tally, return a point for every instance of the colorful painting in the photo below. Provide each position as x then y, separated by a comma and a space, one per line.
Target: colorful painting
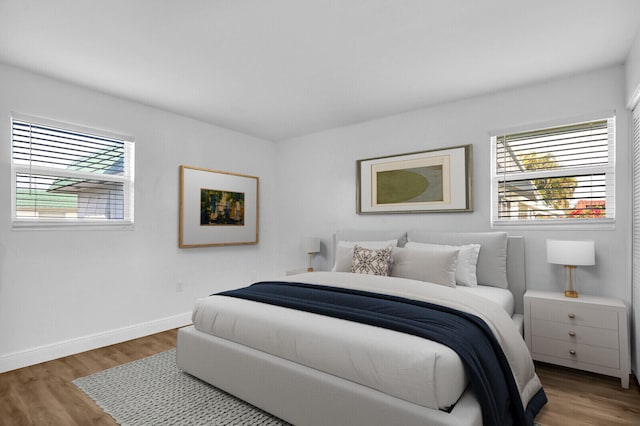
217, 208
221, 208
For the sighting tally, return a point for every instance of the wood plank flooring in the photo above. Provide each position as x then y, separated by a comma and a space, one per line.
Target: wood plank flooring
585, 399
44, 395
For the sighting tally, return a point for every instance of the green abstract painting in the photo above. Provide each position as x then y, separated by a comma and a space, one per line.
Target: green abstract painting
420, 184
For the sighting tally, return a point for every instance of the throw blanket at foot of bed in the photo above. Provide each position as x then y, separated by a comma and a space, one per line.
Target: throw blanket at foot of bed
464, 333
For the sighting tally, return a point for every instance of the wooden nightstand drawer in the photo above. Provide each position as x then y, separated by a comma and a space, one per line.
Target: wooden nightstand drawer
575, 333
574, 314
584, 354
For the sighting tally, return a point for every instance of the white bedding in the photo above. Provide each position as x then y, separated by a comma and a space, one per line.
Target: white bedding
501, 296
407, 367
410, 368
500, 323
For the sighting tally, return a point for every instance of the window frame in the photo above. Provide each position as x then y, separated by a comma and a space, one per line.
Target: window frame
608, 170
127, 179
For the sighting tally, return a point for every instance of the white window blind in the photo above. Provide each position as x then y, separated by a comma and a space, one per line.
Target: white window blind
560, 174
66, 175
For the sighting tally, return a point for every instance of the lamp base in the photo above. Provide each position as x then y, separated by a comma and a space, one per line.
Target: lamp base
311, 270
570, 293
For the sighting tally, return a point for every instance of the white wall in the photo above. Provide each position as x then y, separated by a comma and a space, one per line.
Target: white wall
64, 291
317, 174
633, 72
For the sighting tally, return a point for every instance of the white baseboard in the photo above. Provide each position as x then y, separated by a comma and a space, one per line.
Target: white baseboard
44, 353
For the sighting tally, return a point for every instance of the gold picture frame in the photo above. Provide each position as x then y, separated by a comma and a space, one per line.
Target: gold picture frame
217, 208
438, 180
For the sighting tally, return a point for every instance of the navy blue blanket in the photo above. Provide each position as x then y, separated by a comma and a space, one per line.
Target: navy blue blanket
466, 334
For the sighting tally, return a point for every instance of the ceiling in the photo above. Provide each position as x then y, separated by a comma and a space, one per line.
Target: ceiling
277, 69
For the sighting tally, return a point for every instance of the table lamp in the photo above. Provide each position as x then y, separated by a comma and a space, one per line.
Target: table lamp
311, 246
571, 254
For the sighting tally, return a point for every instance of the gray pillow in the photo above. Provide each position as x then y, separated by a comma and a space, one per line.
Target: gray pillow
491, 268
466, 264
436, 266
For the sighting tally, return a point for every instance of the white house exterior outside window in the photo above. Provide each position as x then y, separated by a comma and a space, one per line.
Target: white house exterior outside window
65, 175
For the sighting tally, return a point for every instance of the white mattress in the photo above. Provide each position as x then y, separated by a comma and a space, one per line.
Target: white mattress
501, 296
404, 366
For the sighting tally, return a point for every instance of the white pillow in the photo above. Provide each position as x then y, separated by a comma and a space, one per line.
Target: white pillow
436, 266
466, 264
344, 252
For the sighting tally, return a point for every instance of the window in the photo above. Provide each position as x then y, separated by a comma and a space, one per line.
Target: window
562, 174
66, 175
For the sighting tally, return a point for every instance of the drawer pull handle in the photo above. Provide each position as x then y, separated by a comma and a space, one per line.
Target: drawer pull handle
572, 352
572, 315
572, 333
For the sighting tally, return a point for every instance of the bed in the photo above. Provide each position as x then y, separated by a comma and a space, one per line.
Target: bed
312, 369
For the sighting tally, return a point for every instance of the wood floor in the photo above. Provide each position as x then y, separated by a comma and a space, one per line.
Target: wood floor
584, 399
44, 395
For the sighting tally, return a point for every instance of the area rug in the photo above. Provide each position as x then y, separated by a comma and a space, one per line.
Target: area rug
152, 391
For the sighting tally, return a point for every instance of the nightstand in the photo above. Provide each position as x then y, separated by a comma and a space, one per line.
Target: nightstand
588, 333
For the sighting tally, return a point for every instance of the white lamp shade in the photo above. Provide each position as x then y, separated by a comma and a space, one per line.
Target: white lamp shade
573, 253
311, 245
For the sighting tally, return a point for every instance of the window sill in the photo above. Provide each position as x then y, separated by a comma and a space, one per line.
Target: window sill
544, 225
29, 225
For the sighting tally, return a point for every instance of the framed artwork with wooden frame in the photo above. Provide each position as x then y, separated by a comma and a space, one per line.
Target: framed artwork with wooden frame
438, 180
217, 208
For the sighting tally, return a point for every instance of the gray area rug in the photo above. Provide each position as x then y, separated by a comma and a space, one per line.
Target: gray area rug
152, 391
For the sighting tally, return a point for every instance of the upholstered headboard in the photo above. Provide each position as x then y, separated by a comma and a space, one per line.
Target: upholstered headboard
501, 260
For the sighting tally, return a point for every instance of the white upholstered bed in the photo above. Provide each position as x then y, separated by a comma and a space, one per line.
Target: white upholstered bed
310, 369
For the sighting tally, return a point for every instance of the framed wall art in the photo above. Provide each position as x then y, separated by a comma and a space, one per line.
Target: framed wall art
437, 180
217, 208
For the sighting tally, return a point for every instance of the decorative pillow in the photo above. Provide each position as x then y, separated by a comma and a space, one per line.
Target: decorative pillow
344, 252
466, 264
436, 266
492, 260
370, 261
